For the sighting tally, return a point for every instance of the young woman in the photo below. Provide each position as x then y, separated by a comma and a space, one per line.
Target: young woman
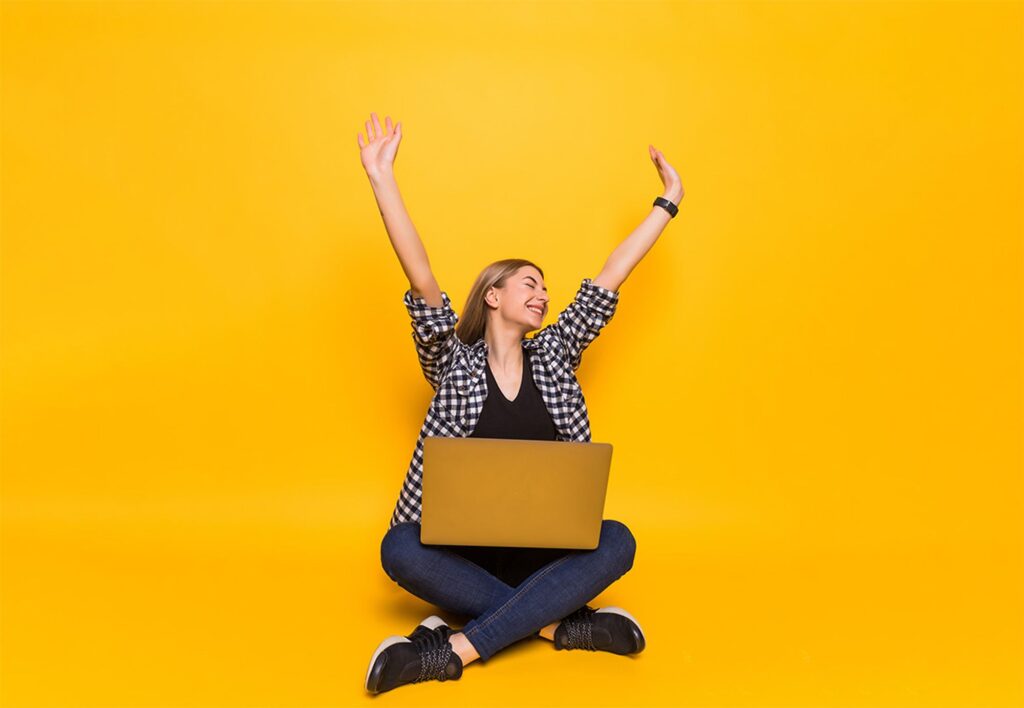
491, 381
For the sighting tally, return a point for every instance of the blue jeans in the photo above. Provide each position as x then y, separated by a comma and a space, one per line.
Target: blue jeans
509, 593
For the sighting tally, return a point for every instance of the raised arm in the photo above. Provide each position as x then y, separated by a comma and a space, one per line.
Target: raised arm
597, 299
430, 310
628, 254
378, 157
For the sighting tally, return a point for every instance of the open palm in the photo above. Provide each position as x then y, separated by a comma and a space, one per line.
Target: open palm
381, 146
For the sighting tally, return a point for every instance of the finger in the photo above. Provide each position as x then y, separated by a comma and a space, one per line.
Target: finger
369, 131
376, 125
359, 139
387, 123
398, 130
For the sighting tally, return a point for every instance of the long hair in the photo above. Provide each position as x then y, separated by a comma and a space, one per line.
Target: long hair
473, 322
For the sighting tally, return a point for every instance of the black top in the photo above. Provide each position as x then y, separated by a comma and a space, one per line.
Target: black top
525, 418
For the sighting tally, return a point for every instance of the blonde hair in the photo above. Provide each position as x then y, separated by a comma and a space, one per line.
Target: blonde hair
473, 322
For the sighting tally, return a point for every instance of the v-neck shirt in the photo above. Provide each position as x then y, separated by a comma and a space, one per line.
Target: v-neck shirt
525, 418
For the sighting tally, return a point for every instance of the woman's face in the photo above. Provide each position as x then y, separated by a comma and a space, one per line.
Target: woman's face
524, 299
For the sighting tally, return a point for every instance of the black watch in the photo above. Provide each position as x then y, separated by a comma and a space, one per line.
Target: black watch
667, 205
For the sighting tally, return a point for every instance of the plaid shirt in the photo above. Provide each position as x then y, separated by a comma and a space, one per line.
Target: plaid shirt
456, 373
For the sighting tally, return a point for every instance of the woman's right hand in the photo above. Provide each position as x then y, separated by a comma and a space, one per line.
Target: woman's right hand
378, 154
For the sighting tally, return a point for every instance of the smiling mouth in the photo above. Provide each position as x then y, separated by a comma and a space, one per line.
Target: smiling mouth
531, 308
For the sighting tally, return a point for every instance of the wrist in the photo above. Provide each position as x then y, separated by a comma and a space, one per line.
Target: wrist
672, 195
381, 175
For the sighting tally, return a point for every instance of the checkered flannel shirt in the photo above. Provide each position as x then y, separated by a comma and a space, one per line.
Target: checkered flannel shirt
456, 373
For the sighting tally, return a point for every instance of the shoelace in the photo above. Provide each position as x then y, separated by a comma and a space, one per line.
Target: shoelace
577, 629
435, 652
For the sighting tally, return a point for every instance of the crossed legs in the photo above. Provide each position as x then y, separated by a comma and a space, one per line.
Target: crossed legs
503, 613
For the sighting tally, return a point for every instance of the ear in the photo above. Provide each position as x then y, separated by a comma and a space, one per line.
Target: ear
491, 297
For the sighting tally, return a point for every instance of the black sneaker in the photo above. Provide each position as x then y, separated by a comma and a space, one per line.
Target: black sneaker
607, 629
424, 655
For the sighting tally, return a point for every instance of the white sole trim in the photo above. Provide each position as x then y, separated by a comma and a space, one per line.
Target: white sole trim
433, 622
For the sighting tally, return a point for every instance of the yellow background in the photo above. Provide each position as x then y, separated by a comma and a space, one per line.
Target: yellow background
812, 383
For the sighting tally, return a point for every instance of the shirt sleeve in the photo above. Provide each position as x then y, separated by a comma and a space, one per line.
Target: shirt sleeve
580, 322
433, 333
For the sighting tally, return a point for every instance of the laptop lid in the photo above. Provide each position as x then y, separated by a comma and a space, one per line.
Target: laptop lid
509, 492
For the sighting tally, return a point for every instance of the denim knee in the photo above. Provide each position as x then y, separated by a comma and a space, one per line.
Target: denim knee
393, 545
620, 541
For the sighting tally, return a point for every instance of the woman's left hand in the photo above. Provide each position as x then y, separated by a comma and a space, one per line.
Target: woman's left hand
669, 177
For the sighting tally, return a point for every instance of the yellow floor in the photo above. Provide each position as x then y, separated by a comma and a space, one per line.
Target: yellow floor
106, 615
